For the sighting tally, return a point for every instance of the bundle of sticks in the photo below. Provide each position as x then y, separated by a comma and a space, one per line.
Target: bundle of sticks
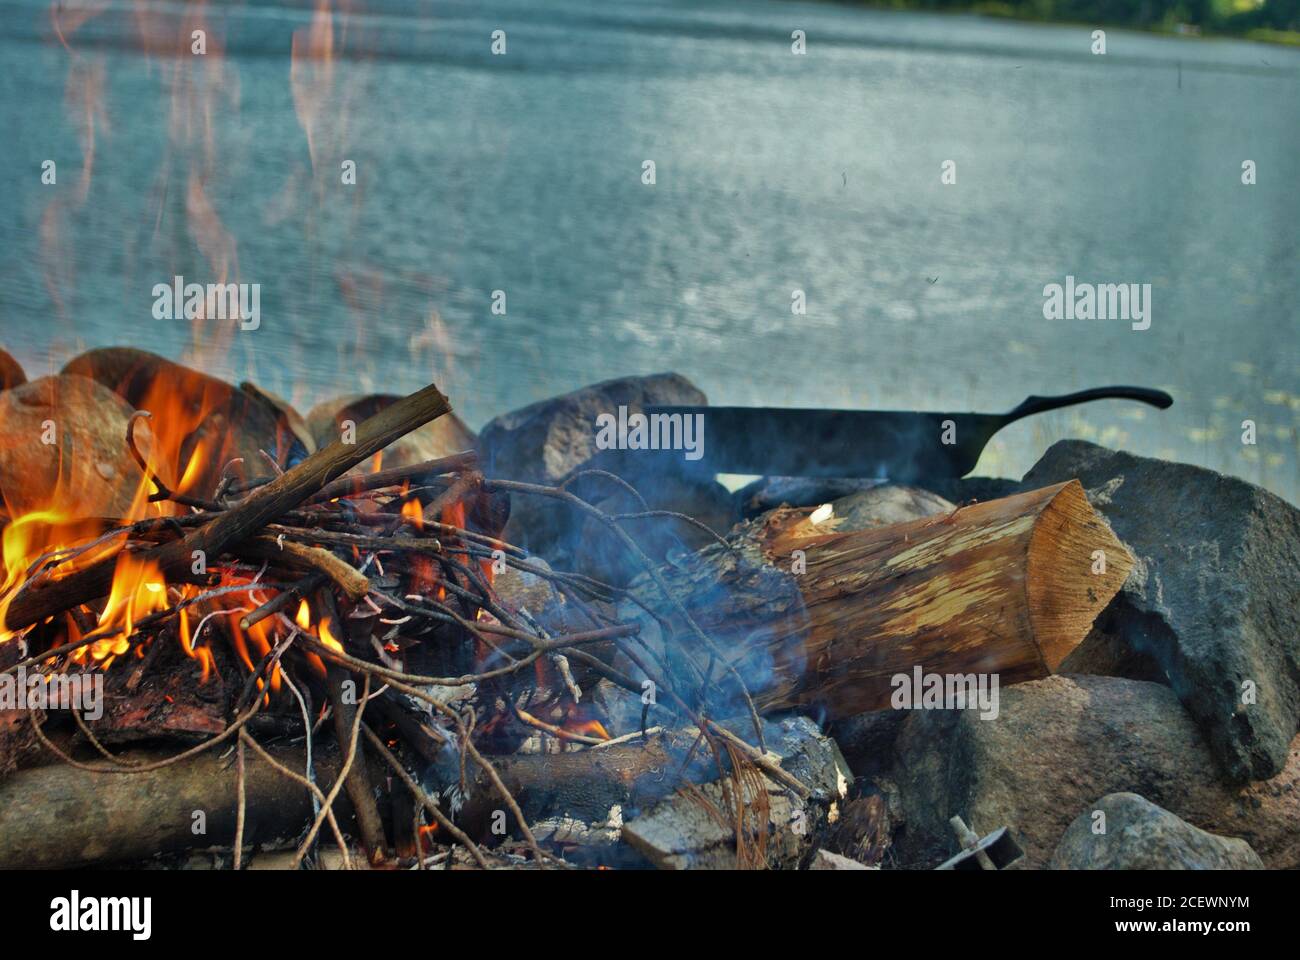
354, 583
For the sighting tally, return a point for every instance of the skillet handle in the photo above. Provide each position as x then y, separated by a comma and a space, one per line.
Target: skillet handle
1032, 405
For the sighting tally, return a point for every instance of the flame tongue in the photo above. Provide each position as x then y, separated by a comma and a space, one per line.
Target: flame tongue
138, 590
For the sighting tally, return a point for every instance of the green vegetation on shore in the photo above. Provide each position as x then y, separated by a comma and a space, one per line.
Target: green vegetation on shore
1274, 21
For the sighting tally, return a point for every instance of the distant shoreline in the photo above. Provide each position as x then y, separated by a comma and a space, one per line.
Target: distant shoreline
1001, 10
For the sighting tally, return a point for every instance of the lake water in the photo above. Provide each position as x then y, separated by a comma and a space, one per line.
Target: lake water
774, 172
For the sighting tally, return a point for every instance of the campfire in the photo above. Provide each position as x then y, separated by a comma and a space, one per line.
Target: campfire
342, 630
336, 649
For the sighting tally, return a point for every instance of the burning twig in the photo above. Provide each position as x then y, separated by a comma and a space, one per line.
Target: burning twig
251, 515
161, 490
425, 597
345, 577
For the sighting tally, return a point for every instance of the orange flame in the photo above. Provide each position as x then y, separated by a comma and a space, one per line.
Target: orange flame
327, 636
412, 510
589, 728
138, 590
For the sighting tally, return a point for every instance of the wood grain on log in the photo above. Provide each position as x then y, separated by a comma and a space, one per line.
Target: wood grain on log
826, 619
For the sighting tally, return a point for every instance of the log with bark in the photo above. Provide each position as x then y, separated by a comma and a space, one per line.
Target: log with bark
824, 620
61, 816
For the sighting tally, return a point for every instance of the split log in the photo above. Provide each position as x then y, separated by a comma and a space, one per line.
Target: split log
824, 620
263, 505
59, 816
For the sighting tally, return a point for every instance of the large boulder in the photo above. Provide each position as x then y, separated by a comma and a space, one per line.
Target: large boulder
145, 381
1132, 833
1214, 599
1060, 744
201, 423
86, 469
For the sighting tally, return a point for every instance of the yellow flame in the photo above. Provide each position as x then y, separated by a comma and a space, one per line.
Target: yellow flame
138, 590
327, 636
412, 511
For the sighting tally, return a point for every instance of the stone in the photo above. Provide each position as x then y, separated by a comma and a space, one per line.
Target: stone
194, 413
239, 428
88, 470
440, 438
968, 489
549, 441
546, 441
867, 740
768, 493
148, 381
295, 421
1139, 835
11, 372
1214, 600
1056, 747
596, 552
883, 505
526, 591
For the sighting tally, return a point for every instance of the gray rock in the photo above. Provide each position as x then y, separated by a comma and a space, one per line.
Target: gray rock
1215, 597
522, 590
87, 470
1056, 747
1139, 835
597, 553
549, 441
439, 438
1105, 652
880, 506
867, 740
768, 493
546, 441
